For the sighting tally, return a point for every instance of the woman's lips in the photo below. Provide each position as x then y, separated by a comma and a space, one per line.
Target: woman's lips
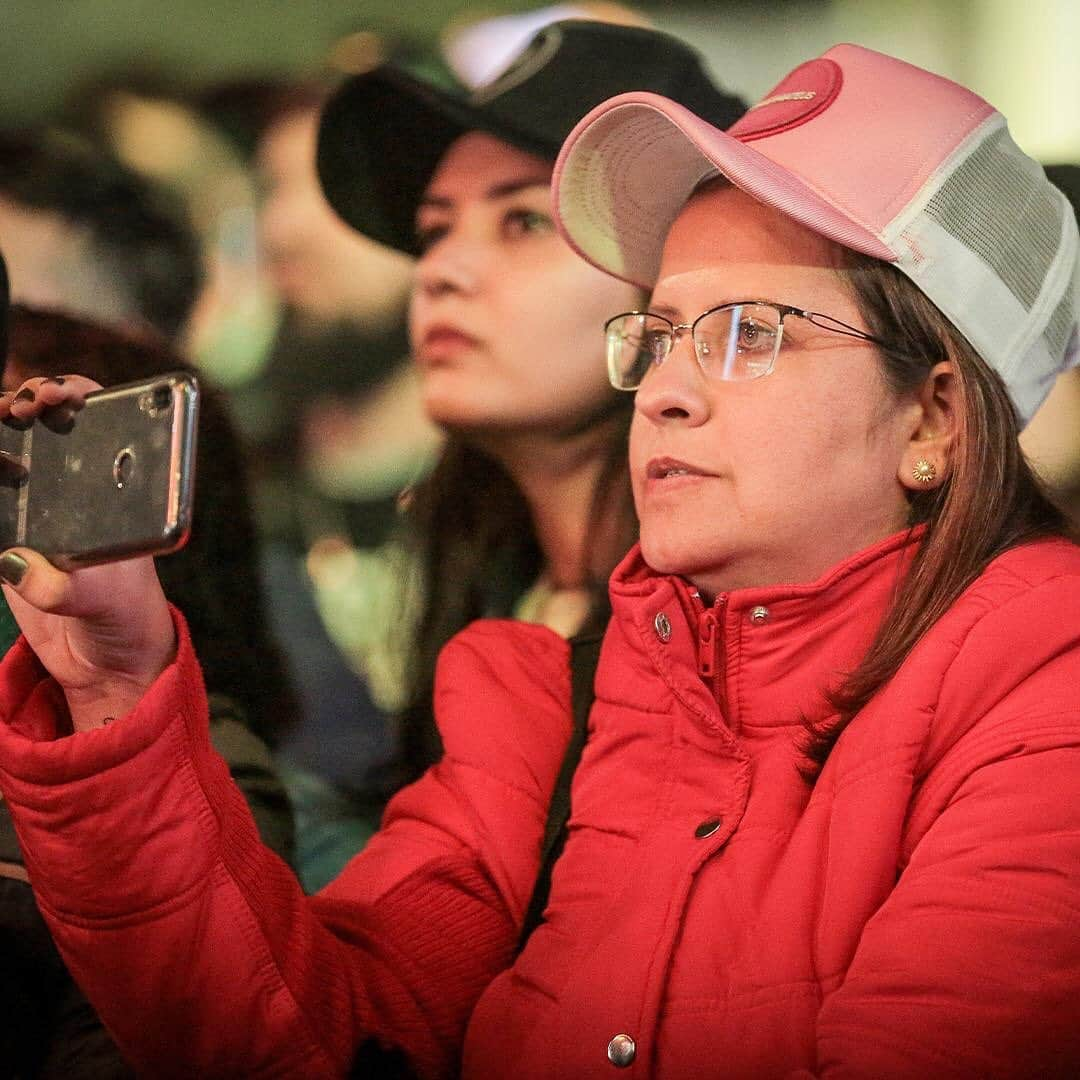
441, 343
668, 474
666, 468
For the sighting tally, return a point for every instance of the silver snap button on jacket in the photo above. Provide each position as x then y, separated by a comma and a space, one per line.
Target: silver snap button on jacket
662, 625
759, 614
621, 1051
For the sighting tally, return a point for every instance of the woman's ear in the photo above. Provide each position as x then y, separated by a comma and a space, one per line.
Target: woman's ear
928, 455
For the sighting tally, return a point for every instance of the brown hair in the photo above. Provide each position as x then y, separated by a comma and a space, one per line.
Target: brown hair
990, 500
477, 554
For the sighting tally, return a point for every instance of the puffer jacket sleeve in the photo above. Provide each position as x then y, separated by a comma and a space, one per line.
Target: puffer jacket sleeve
195, 942
970, 967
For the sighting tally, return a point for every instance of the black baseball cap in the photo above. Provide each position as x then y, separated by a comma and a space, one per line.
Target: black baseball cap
383, 133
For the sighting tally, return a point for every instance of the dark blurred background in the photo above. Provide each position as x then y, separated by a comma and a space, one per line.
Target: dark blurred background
1021, 56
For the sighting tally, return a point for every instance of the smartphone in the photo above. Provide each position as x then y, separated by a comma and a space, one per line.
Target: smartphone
118, 483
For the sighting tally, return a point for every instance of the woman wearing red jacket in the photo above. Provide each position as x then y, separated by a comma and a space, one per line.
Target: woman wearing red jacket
827, 818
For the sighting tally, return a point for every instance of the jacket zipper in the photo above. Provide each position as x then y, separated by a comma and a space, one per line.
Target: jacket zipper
706, 653
710, 660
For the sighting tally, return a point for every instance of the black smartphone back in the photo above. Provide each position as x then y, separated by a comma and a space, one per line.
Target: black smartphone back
118, 484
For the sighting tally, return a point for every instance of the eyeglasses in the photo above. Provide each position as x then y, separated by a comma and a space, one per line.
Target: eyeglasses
733, 342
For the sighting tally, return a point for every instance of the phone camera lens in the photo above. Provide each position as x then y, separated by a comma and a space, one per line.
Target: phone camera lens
156, 400
123, 467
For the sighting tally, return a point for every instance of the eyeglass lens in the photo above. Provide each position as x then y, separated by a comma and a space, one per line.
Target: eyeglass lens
732, 343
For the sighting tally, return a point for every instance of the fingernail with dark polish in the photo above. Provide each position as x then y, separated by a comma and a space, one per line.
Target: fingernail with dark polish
25, 394
12, 567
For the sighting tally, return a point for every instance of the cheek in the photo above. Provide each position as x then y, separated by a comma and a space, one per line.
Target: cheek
578, 300
638, 456
826, 453
558, 341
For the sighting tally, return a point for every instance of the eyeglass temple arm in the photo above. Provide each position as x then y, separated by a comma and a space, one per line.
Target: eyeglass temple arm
827, 322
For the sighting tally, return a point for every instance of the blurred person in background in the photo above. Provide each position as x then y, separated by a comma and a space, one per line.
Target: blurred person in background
334, 419
84, 234
352, 432
338, 366
50, 1030
144, 119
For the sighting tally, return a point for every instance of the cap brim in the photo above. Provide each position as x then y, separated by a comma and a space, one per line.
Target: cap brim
381, 137
628, 168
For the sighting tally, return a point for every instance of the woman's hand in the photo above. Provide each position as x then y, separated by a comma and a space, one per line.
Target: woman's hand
104, 632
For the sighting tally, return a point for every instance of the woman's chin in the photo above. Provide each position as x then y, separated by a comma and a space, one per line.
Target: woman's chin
455, 411
668, 557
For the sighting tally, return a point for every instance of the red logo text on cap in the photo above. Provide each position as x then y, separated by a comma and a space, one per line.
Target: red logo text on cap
807, 91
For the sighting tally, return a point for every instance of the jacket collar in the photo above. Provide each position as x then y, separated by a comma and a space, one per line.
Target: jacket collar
759, 657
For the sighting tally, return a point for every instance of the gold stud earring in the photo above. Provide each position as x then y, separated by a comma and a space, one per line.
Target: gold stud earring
924, 471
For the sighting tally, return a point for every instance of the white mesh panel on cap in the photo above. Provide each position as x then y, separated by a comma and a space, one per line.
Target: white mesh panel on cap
984, 311
1018, 243
993, 245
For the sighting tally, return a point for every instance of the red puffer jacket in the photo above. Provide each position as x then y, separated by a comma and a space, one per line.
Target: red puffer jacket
916, 912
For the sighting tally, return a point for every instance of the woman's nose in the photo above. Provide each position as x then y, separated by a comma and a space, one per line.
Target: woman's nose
675, 390
454, 264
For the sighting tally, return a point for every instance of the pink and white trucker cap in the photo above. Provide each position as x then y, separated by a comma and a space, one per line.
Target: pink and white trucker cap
874, 153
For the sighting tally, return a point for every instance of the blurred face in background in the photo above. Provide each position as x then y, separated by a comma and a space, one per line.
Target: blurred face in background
52, 264
317, 264
506, 321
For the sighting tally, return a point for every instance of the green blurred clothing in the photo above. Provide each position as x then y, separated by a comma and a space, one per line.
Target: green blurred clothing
9, 628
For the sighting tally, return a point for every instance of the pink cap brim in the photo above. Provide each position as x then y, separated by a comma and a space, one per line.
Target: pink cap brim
628, 168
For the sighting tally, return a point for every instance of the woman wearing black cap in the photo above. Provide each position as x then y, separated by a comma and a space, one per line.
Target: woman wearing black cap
528, 508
